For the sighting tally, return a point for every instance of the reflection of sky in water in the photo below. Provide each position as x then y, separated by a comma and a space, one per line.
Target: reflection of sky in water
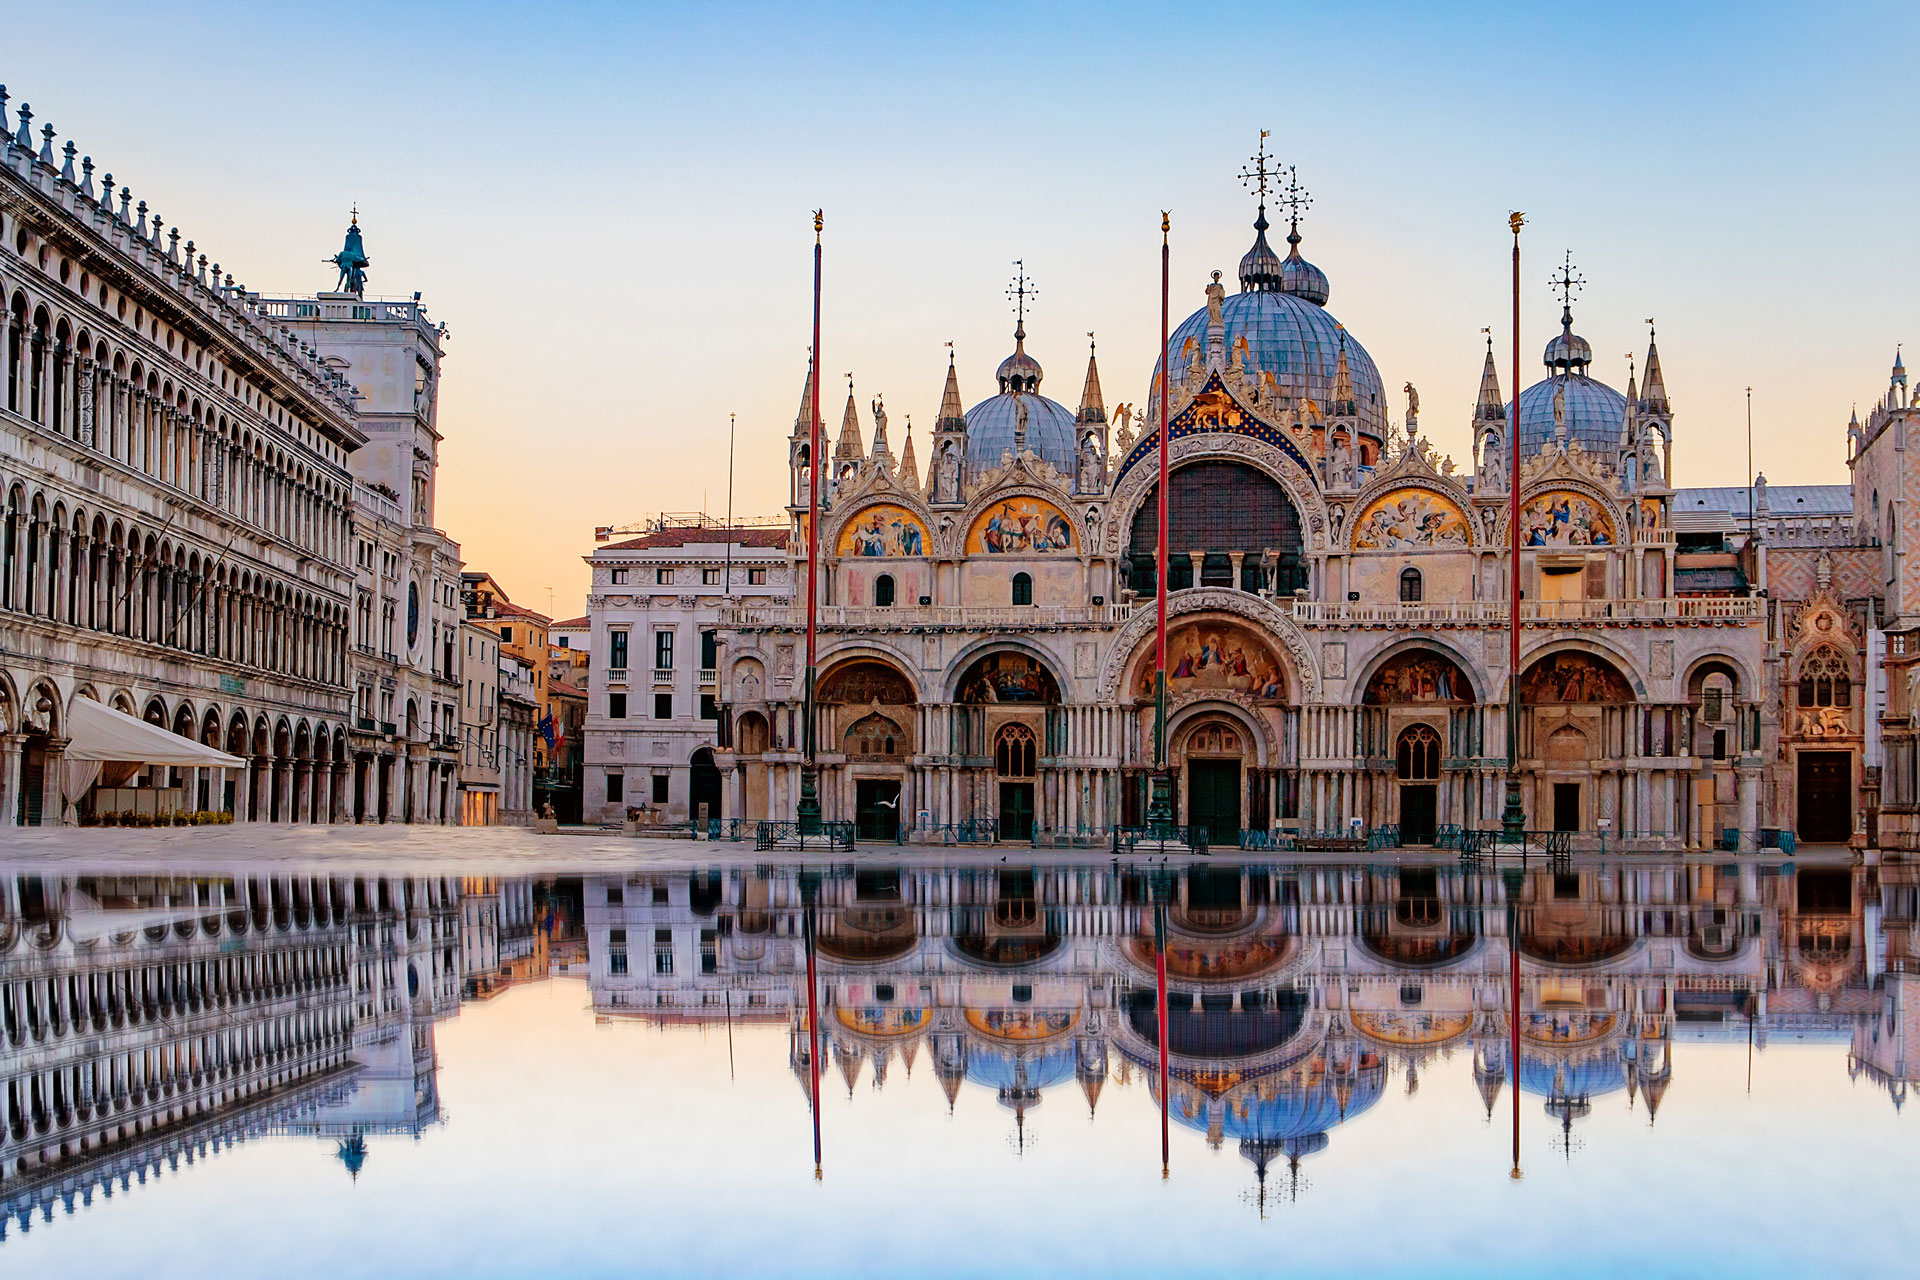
618, 1149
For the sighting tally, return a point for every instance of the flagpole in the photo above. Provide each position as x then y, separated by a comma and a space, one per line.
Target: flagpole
809, 807
1513, 822
1160, 1017
729, 574
1160, 801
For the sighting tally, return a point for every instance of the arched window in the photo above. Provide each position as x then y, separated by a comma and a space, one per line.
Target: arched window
1417, 758
875, 735
883, 591
1022, 588
1013, 751
1410, 586
1825, 679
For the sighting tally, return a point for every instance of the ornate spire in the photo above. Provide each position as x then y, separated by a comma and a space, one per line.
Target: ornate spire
953, 415
1630, 420
909, 476
1653, 388
1020, 371
802, 427
1342, 379
1092, 407
849, 445
1490, 407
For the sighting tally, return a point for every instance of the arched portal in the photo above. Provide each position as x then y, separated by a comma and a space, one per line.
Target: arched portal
1417, 712
1213, 756
1228, 525
1577, 711
703, 787
868, 713
1416, 755
1008, 713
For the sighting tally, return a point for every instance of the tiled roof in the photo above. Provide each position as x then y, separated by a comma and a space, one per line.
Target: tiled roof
569, 624
565, 690
504, 608
1782, 500
761, 537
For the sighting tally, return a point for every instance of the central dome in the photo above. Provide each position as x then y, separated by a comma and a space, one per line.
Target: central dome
1594, 411
1292, 341
994, 425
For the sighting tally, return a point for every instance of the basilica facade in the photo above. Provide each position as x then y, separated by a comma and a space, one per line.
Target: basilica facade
1337, 610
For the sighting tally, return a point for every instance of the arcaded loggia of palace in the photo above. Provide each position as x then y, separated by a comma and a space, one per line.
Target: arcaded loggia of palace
1337, 634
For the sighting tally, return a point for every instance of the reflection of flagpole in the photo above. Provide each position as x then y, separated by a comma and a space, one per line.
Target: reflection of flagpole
1514, 880
1160, 1019
729, 993
813, 1038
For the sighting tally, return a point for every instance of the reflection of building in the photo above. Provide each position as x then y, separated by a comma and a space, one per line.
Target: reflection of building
1338, 604
1294, 993
652, 719
146, 1019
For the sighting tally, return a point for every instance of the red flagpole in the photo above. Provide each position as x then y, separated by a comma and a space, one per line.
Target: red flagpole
1513, 821
808, 811
1160, 801
1513, 884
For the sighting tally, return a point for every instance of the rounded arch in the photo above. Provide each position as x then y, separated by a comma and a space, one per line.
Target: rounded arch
1297, 658
1184, 721
43, 710
964, 661
1594, 646
1136, 483
1577, 671
867, 673
954, 540
1744, 681
1430, 642
1412, 513
1221, 506
1007, 673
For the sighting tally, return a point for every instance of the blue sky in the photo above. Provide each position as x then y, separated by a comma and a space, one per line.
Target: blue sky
609, 204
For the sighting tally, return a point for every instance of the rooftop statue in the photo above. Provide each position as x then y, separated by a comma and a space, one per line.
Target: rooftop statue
352, 260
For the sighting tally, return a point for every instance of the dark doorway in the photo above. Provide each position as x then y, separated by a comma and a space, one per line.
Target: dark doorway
1419, 804
876, 809
1826, 796
1566, 806
703, 786
1214, 799
1016, 811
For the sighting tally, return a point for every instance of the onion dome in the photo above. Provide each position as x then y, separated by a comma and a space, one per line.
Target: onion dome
1568, 351
1020, 417
1591, 412
1292, 343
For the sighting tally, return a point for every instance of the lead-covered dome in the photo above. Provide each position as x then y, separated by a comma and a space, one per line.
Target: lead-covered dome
994, 424
1594, 411
1292, 341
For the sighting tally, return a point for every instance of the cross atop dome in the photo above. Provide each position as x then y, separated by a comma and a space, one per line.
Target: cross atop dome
1568, 352
1020, 290
1569, 282
1255, 174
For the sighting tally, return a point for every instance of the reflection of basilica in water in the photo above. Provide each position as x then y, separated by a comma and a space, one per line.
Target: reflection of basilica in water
150, 1021
1294, 993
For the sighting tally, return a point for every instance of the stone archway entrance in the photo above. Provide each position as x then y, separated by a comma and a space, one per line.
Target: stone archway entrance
1417, 767
1215, 752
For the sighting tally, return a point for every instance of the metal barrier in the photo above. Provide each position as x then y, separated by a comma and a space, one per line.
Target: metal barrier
835, 834
970, 831
1161, 840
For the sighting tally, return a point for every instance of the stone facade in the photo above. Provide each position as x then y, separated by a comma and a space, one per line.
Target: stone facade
178, 505
1338, 643
653, 720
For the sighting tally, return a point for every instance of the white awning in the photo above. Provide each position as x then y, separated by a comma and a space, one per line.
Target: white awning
98, 732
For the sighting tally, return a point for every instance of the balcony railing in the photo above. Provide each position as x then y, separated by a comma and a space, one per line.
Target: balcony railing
937, 615
709, 676
616, 675
1313, 613
663, 675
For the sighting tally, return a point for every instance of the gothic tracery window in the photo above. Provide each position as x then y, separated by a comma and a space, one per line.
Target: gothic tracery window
1417, 757
1825, 679
1013, 751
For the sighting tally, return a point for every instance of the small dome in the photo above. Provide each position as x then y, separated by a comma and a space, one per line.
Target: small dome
1594, 413
1260, 269
1300, 277
1295, 341
993, 424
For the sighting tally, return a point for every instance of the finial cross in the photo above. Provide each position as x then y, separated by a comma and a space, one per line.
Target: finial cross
1255, 175
1020, 290
1294, 197
1568, 282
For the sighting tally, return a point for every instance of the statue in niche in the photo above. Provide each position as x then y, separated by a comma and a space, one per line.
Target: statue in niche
1092, 477
1650, 463
947, 487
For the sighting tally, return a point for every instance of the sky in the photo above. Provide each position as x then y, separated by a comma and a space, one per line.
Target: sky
609, 206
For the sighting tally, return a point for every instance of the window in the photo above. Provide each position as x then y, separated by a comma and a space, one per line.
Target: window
616, 787
663, 650
616, 950
616, 895
616, 706
709, 650
709, 710
618, 577
1418, 756
660, 784
1410, 586
663, 951
663, 706
506, 635
616, 650
883, 592
663, 576
756, 577
710, 577
1824, 679
1013, 752
1022, 588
